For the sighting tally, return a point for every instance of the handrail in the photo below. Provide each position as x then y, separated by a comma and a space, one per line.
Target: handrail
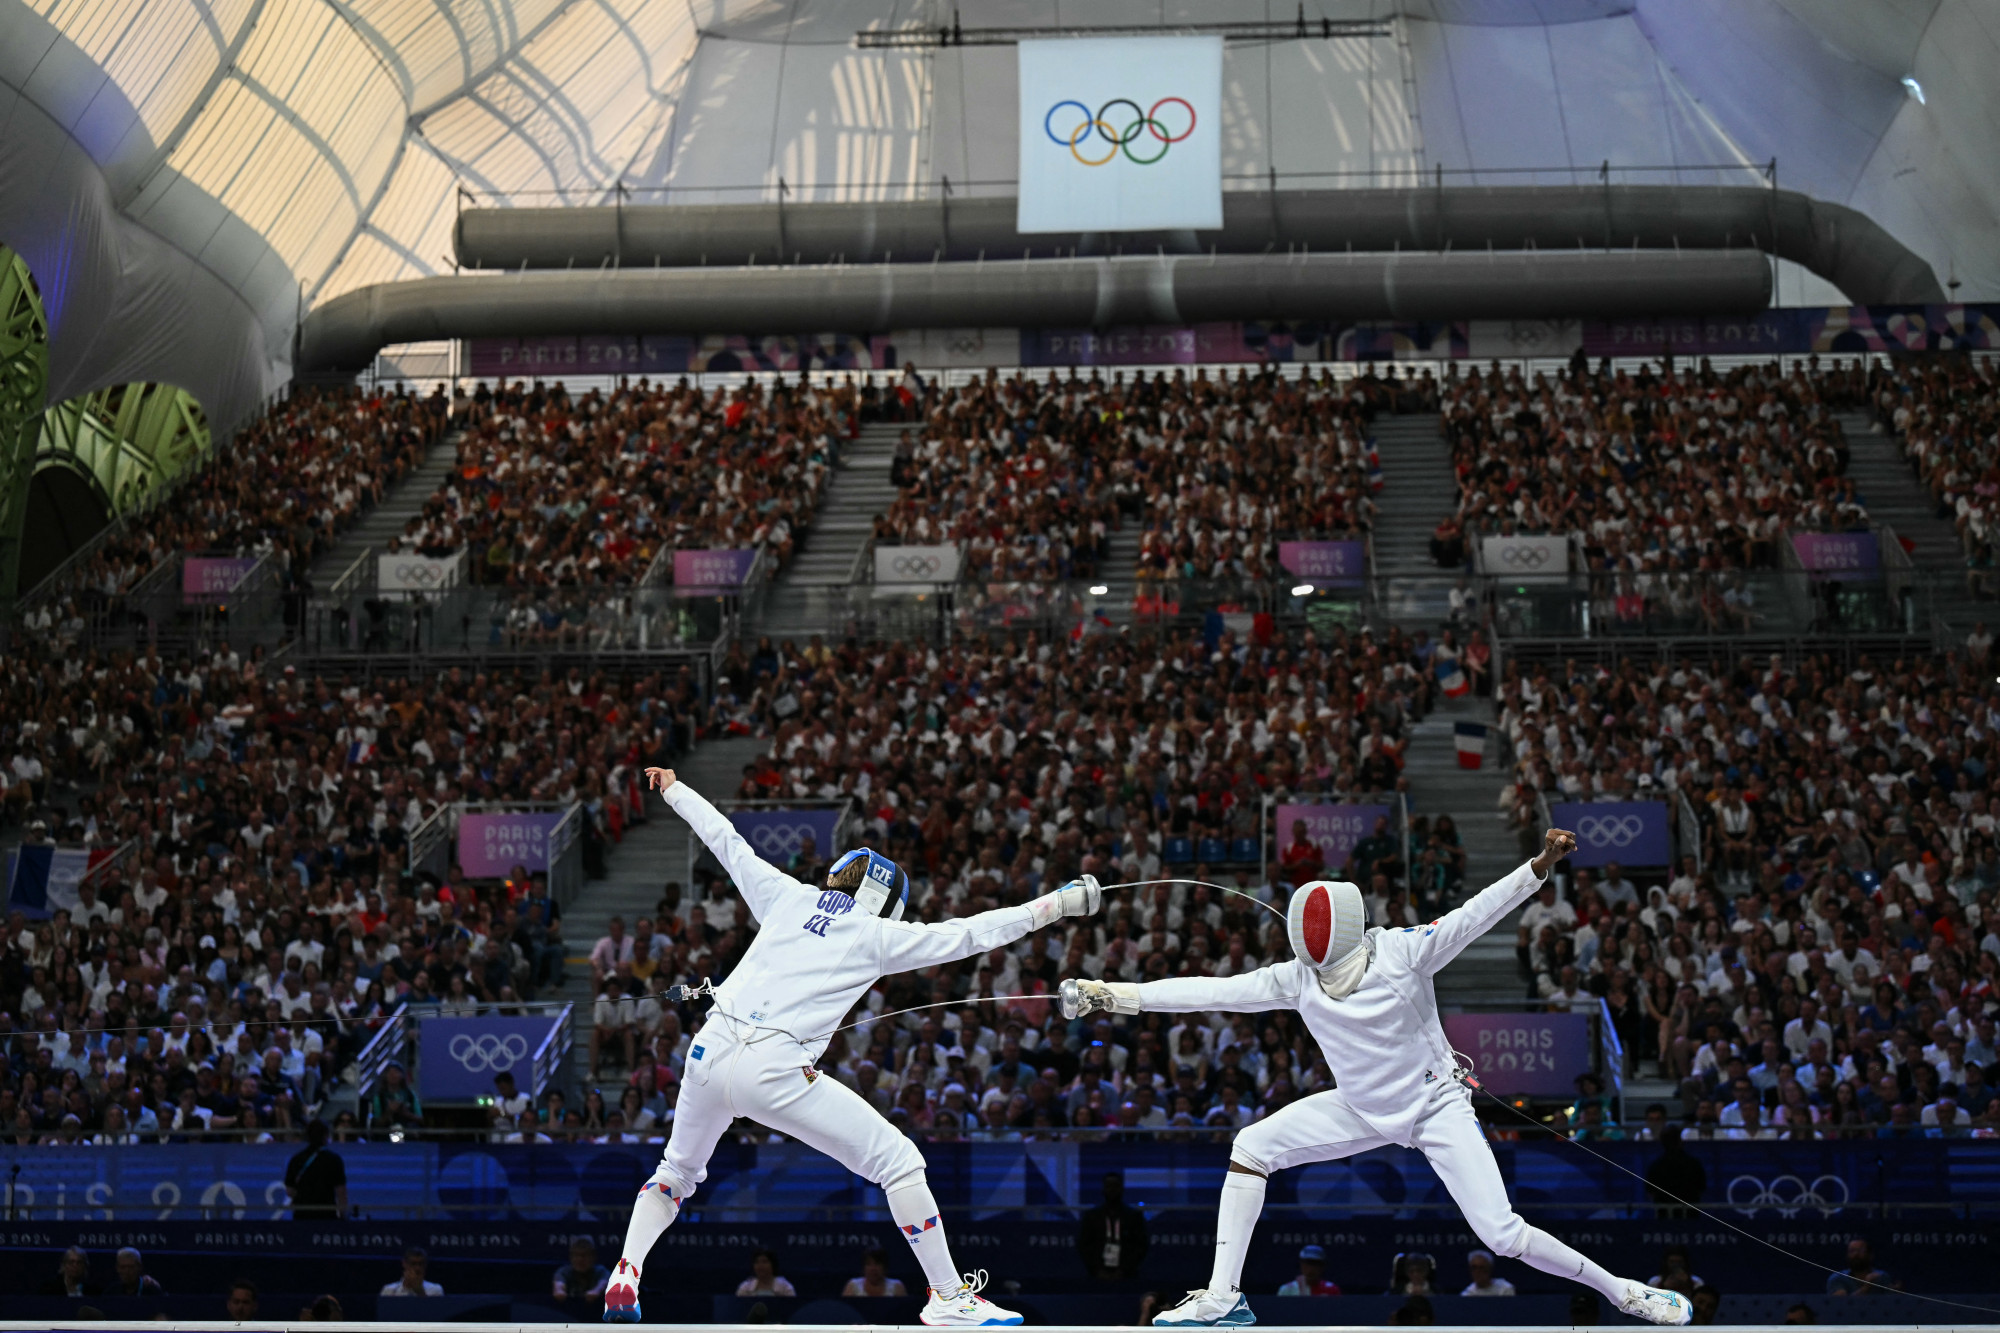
386, 1045
554, 1050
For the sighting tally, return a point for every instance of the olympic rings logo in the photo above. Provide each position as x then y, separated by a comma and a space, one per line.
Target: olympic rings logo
781, 839
1788, 1195
1524, 557
421, 573
1121, 137
920, 566
1610, 830
479, 1054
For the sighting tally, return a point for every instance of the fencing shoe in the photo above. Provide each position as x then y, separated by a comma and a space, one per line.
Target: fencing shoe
621, 1295
965, 1308
1208, 1309
1656, 1306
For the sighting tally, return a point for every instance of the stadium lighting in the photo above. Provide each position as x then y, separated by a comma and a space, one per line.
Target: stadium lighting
1302, 590
1914, 89
1099, 589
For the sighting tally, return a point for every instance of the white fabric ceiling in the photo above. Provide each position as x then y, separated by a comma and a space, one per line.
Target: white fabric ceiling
290, 150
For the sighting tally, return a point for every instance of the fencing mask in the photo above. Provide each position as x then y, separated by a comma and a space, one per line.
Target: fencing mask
884, 890
1328, 925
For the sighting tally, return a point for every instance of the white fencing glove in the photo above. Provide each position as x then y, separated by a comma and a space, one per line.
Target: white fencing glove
1080, 997
1079, 897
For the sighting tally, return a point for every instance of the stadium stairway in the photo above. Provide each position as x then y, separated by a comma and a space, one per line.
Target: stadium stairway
1485, 972
404, 502
1894, 496
803, 599
639, 868
1417, 491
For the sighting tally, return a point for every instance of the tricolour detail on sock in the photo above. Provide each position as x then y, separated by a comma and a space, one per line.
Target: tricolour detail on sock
916, 1233
672, 1198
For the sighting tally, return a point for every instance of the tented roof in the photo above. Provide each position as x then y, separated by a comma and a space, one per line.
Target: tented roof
290, 150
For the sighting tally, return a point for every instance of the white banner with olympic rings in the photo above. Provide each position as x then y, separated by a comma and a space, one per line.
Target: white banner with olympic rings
916, 564
1121, 134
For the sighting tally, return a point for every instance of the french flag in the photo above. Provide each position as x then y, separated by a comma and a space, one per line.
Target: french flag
1452, 681
1470, 738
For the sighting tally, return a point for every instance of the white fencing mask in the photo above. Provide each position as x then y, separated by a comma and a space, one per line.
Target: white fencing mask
1328, 925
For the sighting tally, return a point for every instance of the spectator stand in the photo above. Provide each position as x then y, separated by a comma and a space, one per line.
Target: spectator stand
391, 603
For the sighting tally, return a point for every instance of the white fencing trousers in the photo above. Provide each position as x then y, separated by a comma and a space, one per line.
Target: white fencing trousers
769, 1082
1325, 1127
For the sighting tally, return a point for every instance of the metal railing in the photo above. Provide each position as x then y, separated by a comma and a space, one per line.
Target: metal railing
389, 1044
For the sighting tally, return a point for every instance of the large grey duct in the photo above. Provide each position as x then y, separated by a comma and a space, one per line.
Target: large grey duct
1839, 244
346, 332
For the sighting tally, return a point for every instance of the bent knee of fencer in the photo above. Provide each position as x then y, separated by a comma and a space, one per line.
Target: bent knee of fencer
906, 1176
1254, 1151
891, 1161
674, 1180
1502, 1230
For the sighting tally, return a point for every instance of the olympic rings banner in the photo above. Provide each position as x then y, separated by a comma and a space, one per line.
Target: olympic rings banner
1120, 134
458, 1056
1632, 833
405, 574
778, 835
916, 564
1525, 557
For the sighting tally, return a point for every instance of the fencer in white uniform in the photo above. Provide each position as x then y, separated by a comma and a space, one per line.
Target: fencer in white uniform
1366, 996
817, 951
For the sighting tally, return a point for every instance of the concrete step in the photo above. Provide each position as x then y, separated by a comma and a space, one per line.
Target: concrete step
404, 502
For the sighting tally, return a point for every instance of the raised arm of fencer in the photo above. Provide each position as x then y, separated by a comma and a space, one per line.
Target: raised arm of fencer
907, 945
758, 880
1245, 993
1445, 938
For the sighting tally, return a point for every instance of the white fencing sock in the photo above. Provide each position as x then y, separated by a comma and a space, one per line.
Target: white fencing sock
652, 1213
1545, 1252
1242, 1202
915, 1210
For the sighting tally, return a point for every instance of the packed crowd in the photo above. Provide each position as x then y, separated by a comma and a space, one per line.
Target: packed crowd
1947, 413
284, 487
1824, 958
256, 912
552, 490
1696, 470
1030, 477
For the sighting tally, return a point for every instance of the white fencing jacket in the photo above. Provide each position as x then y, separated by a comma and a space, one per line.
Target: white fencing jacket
814, 955
1383, 1043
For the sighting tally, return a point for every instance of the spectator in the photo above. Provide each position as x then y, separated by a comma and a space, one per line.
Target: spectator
413, 1282
579, 1284
324, 1310
1415, 1310
1413, 1274
316, 1178
133, 1279
1861, 1277
72, 1276
1707, 1302
1675, 1181
508, 1104
1801, 1313
1311, 1279
242, 1303
1112, 1237
764, 1279
1480, 1264
874, 1279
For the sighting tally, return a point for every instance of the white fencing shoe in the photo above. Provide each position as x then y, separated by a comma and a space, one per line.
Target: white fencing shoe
1656, 1306
965, 1308
1208, 1309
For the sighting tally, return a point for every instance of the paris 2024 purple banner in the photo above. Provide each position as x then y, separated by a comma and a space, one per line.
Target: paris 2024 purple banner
715, 570
490, 846
1328, 564
1523, 1055
1842, 557
1334, 828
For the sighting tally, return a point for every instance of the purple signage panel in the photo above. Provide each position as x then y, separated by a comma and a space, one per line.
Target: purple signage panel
1767, 332
713, 569
204, 577
1632, 833
457, 1057
1335, 828
1341, 564
778, 835
1523, 1055
1844, 557
490, 846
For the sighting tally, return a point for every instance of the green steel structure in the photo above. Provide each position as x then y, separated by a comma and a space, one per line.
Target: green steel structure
24, 382
121, 447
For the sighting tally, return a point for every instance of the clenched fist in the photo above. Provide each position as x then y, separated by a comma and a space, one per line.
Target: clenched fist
1556, 844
